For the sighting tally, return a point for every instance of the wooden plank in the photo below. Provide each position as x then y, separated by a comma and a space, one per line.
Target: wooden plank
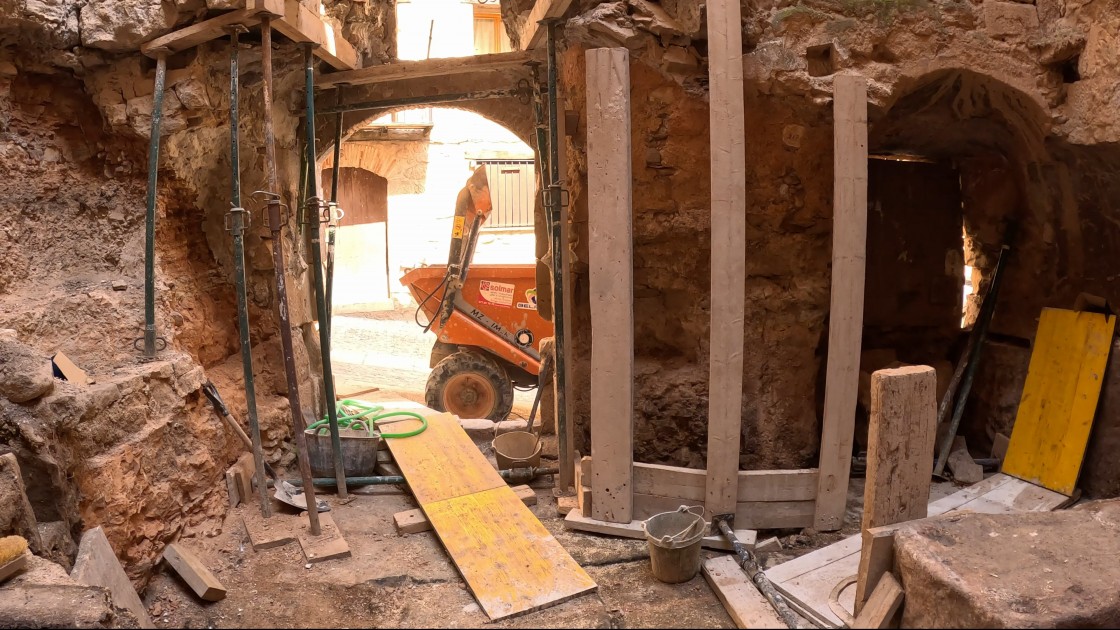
1059, 398
578, 522
97, 565
729, 246
509, 560
243, 470
444, 464
808, 580
583, 492
901, 432
231, 489
442, 67
415, 521
882, 606
328, 545
739, 596
194, 573
565, 504
532, 32
207, 30
753, 485
302, 25
845, 330
511, 563
876, 558
611, 272
269, 533
748, 514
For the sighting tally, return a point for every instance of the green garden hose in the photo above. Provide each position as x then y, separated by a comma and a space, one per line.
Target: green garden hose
354, 412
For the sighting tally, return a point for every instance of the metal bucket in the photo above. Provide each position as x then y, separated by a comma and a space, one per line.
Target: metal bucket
674, 544
517, 449
359, 452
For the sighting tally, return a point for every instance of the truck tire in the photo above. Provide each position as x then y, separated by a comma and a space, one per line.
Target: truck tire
470, 385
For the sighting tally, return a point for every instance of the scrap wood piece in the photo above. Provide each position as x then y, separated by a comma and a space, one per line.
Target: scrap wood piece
738, 594
807, 581
511, 563
1059, 398
415, 521
302, 25
207, 30
578, 522
328, 545
882, 606
69, 370
194, 573
97, 565
875, 559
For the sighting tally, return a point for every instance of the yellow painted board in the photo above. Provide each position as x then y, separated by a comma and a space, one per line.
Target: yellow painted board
442, 462
512, 564
1059, 398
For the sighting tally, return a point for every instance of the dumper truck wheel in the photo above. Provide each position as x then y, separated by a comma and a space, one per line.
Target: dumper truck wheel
470, 385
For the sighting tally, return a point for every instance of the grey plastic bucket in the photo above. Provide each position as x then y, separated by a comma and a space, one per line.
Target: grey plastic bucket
674, 544
517, 449
359, 452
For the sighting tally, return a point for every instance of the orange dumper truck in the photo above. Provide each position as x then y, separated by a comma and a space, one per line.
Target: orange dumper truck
488, 331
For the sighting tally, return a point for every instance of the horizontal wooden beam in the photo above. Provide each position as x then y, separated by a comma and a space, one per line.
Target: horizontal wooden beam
754, 485
301, 24
748, 514
532, 32
578, 522
207, 30
446, 66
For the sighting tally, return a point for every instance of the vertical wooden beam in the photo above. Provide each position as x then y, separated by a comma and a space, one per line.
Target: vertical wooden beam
610, 246
845, 331
729, 245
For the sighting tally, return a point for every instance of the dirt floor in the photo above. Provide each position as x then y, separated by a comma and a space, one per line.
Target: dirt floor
395, 580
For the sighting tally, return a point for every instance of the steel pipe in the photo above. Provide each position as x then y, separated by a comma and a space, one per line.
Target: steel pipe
150, 221
554, 210
313, 214
236, 223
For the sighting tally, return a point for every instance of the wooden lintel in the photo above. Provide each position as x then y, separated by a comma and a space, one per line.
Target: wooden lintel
442, 67
532, 31
301, 24
207, 30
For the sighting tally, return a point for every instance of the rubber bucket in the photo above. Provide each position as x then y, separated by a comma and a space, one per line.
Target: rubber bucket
359, 452
674, 544
517, 449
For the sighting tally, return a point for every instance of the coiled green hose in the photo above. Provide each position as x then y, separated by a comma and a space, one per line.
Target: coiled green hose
356, 412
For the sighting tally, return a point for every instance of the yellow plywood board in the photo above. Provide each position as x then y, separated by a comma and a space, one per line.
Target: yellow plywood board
511, 562
441, 462
1059, 398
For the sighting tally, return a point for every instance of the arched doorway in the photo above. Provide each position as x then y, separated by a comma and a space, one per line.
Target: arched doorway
361, 255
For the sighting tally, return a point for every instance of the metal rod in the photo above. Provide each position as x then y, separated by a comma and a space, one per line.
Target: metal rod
236, 228
420, 100
554, 209
313, 214
150, 222
276, 222
987, 311
515, 474
332, 224
761, 582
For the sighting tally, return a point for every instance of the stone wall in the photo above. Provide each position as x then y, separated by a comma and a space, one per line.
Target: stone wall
140, 451
1011, 95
